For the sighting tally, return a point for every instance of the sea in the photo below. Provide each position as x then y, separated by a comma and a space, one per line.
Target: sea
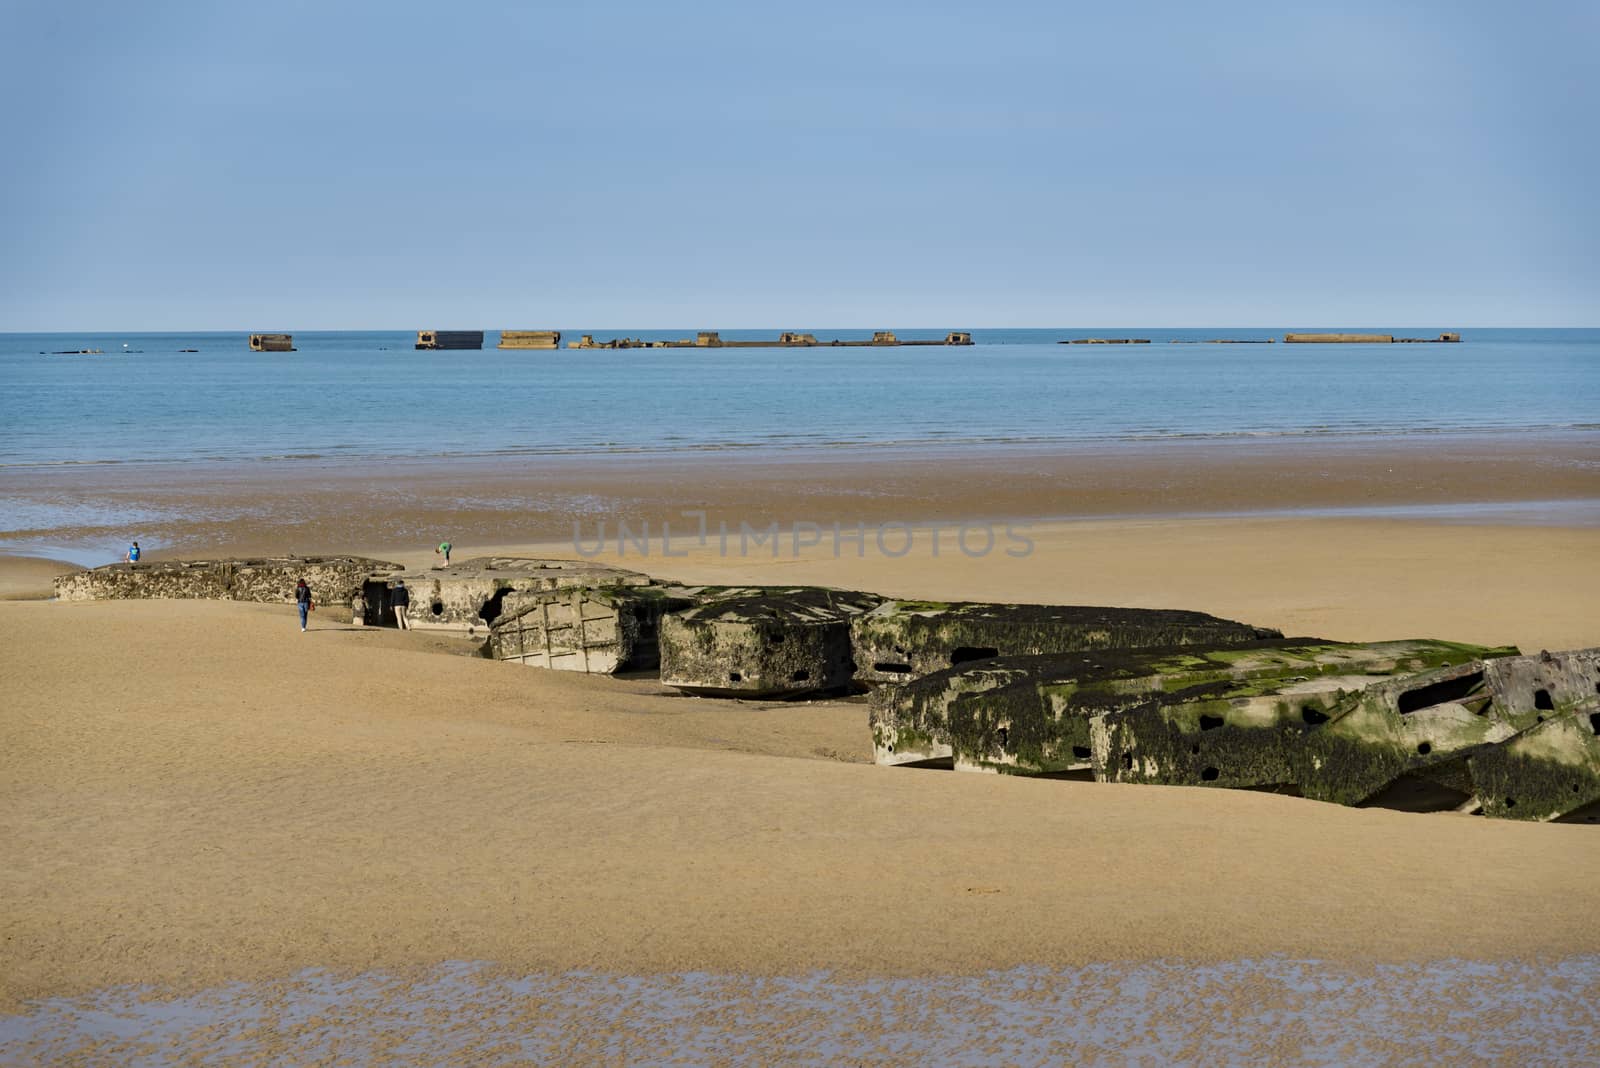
196, 397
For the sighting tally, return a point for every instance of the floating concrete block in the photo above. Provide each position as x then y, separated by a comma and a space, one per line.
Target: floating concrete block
901, 640
762, 641
272, 342
599, 631
333, 579
449, 339
530, 339
470, 594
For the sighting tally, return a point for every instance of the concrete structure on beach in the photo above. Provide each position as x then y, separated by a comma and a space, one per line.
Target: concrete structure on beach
1152, 696
469, 596
271, 342
530, 339
449, 339
333, 579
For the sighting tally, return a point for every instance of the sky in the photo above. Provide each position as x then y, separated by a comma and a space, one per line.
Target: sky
706, 165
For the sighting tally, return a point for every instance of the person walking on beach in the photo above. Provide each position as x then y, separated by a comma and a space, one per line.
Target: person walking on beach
302, 597
133, 553
400, 600
444, 548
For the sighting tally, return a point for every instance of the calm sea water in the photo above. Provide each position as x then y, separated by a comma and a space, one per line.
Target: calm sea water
370, 394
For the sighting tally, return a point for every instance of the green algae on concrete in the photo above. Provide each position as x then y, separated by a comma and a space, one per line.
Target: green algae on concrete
1408, 725
1548, 770
901, 640
1228, 715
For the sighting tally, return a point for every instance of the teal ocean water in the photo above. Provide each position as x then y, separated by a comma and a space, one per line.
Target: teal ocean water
370, 394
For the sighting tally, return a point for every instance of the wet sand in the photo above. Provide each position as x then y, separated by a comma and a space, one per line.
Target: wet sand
328, 506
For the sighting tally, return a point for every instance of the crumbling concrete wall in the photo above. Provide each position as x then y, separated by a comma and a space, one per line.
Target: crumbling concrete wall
470, 594
599, 631
762, 641
333, 579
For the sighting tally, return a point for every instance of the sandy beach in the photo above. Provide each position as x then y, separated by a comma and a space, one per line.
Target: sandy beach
249, 803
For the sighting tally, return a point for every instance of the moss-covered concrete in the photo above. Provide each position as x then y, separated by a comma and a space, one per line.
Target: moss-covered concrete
901, 640
1547, 771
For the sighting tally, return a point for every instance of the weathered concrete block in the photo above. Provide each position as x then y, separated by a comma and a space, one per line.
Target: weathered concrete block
272, 342
762, 641
1164, 715
599, 631
901, 640
1409, 725
333, 579
530, 339
1548, 770
470, 595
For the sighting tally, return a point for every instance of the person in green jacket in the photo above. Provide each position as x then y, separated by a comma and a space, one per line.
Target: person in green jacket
444, 550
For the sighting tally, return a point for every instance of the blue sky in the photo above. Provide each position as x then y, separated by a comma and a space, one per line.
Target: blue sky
708, 165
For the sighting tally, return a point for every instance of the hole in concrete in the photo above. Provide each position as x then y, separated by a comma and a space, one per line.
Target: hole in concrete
776, 638
1210, 723
800, 676
1313, 717
1194, 750
491, 608
1538, 719
1594, 723
1440, 692
1127, 760
1575, 788
893, 669
437, 608
1511, 802
1424, 748
1541, 699
1001, 735
1210, 775
734, 676
1081, 752
964, 653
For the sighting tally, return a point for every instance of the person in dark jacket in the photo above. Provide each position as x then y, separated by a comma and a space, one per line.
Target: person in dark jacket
302, 598
400, 600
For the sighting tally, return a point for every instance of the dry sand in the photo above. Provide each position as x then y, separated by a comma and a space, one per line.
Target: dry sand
197, 792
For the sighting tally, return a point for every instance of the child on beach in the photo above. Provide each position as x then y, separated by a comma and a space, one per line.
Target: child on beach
444, 547
302, 597
133, 553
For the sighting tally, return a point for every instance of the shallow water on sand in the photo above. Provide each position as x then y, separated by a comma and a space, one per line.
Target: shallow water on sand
1155, 1013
